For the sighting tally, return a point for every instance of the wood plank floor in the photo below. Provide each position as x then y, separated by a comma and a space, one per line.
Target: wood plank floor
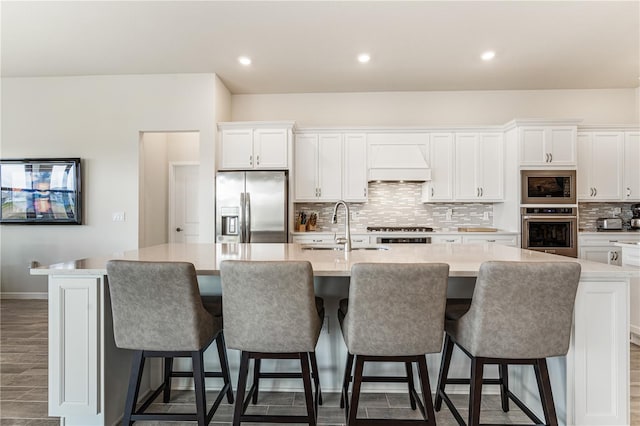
23, 384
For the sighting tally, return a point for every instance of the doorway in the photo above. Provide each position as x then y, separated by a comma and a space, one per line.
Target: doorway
160, 153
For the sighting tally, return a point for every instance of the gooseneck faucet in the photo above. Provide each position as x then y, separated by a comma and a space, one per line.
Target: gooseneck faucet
346, 240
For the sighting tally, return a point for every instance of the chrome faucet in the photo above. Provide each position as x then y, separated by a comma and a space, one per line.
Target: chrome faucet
346, 240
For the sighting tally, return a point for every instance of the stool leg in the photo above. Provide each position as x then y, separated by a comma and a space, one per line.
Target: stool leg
137, 367
198, 381
444, 370
425, 387
355, 393
348, 369
410, 385
475, 394
544, 386
242, 384
256, 380
224, 364
504, 386
308, 391
316, 376
168, 369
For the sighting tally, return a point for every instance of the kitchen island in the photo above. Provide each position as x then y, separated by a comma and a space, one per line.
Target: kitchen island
88, 375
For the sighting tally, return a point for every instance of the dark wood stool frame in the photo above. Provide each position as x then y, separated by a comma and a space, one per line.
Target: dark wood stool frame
242, 403
201, 416
351, 412
257, 375
476, 381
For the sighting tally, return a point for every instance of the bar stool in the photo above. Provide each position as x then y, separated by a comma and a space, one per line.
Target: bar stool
395, 313
520, 313
270, 313
157, 312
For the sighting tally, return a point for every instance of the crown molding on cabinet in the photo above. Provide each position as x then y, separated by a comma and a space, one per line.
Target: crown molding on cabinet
256, 124
518, 122
609, 127
398, 129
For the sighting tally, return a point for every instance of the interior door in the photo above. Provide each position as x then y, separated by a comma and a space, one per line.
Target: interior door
184, 220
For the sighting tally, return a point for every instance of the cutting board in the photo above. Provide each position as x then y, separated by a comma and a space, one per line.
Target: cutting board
477, 229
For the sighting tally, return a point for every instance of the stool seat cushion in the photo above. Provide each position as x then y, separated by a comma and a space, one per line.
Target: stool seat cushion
519, 310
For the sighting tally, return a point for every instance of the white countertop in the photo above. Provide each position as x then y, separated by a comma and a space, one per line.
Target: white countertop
464, 259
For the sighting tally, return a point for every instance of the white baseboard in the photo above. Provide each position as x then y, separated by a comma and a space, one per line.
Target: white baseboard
24, 295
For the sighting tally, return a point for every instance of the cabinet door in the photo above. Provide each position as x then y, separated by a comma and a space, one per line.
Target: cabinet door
631, 188
606, 166
532, 149
600, 254
237, 149
466, 162
306, 167
354, 187
490, 168
440, 188
270, 147
561, 145
584, 186
330, 167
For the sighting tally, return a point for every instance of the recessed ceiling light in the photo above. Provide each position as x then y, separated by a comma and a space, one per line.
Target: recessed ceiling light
244, 60
488, 55
364, 58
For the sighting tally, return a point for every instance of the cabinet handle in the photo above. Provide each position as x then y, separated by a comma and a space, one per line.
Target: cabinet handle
319, 192
481, 191
628, 192
365, 192
257, 160
491, 241
251, 160
450, 241
591, 192
613, 241
477, 192
595, 192
616, 255
551, 157
546, 157
432, 191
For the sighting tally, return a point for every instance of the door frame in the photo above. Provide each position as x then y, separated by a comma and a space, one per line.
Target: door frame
171, 200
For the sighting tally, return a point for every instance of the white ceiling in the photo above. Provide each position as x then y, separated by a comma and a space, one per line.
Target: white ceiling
300, 46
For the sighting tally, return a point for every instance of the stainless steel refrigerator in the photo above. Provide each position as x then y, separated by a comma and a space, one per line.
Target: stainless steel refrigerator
251, 207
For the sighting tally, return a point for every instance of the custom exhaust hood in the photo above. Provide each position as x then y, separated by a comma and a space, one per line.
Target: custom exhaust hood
399, 156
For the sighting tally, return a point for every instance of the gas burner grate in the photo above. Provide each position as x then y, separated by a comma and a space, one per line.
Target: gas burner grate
399, 229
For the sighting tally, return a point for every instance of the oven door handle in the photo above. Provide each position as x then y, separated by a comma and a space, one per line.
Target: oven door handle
548, 217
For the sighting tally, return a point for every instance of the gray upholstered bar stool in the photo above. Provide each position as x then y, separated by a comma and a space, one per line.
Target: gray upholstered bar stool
520, 313
270, 313
158, 312
395, 313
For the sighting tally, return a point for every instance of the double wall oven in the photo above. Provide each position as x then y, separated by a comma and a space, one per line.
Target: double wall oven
549, 211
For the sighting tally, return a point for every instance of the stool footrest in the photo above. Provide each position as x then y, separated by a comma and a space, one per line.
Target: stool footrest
468, 381
274, 419
385, 379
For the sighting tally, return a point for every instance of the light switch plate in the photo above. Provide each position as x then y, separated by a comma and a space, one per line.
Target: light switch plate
118, 217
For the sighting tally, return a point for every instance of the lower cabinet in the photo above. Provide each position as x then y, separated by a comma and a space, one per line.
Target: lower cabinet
601, 247
505, 240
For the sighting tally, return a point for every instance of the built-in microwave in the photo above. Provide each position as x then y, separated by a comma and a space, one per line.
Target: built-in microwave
548, 186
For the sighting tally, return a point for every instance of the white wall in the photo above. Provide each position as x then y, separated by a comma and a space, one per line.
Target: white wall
99, 118
610, 106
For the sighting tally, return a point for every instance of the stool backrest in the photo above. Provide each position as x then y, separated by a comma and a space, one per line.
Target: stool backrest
269, 306
157, 306
396, 309
521, 309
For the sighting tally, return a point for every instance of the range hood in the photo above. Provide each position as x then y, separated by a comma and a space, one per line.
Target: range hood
395, 157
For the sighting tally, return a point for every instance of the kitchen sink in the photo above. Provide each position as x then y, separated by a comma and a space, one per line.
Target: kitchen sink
341, 248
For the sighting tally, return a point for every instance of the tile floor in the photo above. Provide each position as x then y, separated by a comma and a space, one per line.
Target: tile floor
23, 384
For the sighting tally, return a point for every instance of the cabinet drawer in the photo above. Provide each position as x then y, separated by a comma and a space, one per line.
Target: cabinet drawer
441, 239
314, 239
506, 240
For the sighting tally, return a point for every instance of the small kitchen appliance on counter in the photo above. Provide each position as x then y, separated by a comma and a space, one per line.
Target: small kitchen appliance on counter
635, 219
609, 224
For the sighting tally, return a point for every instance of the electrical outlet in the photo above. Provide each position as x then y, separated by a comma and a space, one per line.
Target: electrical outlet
448, 215
355, 215
617, 210
118, 217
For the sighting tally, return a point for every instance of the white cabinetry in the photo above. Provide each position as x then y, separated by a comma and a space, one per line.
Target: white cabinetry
315, 238
318, 167
600, 165
505, 240
440, 187
246, 146
602, 247
446, 238
547, 146
631, 178
479, 167
354, 185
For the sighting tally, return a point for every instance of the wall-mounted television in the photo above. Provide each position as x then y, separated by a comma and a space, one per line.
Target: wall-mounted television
41, 191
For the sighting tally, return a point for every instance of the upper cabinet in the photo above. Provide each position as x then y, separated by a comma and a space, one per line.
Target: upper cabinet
354, 183
547, 146
440, 187
254, 145
600, 164
318, 167
631, 176
479, 167
608, 165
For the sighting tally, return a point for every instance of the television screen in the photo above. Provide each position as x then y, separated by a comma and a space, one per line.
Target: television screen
41, 191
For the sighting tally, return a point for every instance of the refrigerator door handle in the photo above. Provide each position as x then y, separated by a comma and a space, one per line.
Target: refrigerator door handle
247, 200
242, 217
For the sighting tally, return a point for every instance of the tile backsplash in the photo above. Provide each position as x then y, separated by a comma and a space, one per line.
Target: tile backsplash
589, 212
399, 204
